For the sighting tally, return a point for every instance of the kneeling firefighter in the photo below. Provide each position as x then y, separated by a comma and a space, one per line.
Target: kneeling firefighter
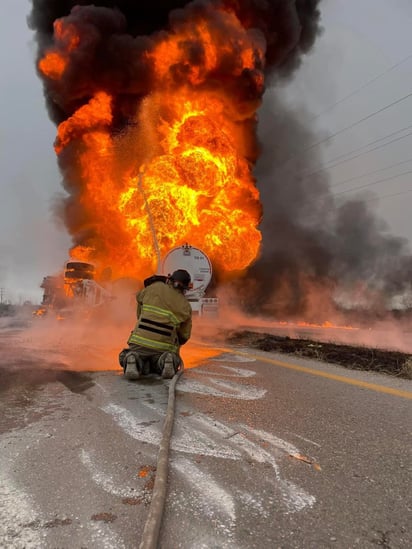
164, 323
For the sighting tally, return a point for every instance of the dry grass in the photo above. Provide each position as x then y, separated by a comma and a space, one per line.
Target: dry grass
356, 358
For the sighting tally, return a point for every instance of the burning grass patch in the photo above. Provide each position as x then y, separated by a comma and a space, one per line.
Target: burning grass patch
389, 362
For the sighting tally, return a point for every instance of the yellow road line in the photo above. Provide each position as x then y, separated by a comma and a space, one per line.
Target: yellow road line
320, 373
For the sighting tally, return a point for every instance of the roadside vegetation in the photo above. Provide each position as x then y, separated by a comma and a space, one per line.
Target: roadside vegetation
394, 363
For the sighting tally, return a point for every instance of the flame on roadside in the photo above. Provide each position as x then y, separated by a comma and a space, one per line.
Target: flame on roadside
325, 324
194, 355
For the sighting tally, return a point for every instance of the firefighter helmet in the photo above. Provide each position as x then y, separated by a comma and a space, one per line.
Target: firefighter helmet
180, 279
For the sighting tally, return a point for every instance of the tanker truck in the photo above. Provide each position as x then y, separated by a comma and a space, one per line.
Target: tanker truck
77, 289
199, 266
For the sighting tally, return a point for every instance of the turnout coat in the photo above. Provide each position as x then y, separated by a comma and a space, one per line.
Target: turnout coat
164, 318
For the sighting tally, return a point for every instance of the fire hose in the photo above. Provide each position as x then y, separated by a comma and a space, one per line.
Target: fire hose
153, 523
154, 520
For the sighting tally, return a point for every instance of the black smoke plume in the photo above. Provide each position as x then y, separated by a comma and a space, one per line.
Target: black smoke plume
120, 32
311, 240
112, 56
316, 245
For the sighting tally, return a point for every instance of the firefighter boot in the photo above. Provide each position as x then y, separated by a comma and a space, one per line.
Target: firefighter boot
133, 367
168, 365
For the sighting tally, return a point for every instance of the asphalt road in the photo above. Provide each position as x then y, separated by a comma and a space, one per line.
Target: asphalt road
267, 452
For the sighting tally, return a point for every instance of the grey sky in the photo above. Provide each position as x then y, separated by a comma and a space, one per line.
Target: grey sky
362, 39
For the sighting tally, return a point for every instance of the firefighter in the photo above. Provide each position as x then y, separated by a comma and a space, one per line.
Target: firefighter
164, 323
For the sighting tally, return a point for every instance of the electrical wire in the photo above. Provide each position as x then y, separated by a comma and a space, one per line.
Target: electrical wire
326, 166
332, 160
371, 173
388, 195
354, 124
373, 183
363, 86
346, 128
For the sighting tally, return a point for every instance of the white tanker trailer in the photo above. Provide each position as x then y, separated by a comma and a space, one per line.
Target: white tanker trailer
199, 266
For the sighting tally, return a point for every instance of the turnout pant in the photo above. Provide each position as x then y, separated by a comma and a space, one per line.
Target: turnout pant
149, 361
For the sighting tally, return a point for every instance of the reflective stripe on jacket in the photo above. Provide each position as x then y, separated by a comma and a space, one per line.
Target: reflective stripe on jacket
164, 318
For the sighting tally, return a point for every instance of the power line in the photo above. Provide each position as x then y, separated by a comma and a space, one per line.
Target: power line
332, 160
388, 195
372, 173
368, 144
373, 183
326, 167
362, 87
354, 124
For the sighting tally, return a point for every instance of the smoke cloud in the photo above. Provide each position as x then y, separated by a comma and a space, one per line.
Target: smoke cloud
314, 244
118, 34
102, 66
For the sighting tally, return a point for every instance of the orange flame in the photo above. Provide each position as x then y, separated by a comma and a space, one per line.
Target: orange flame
54, 63
185, 170
326, 324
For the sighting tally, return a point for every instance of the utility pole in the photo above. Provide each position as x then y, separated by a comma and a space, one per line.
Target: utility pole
1, 295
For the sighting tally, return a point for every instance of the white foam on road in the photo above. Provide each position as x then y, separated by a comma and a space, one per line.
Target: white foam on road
103, 537
215, 498
200, 434
206, 501
228, 357
19, 522
188, 441
219, 388
132, 425
274, 440
230, 372
217, 428
104, 480
294, 497
254, 502
307, 440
